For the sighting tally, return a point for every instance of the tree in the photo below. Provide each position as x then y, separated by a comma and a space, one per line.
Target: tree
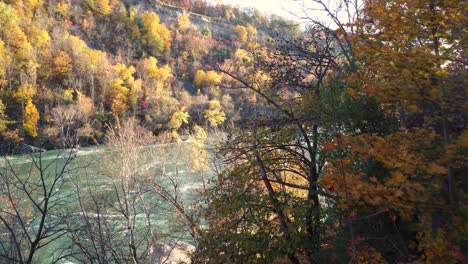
2, 117
179, 118
246, 35
30, 119
15, 38
105, 229
296, 102
40, 39
3, 61
156, 36
102, 6
405, 49
161, 112
30, 115
214, 114
184, 22
156, 79
63, 66
208, 81
69, 118
125, 138
118, 224
95, 58
241, 32
124, 87
259, 164
100, 232
30, 204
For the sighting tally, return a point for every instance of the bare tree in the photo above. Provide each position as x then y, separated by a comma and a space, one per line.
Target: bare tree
120, 208
91, 227
69, 118
282, 142
30, 200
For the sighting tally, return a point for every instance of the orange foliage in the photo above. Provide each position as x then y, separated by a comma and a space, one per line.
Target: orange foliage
409, 172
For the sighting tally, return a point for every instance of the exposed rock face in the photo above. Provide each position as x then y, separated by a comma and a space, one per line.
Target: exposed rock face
173, 253
169, 13
27, 149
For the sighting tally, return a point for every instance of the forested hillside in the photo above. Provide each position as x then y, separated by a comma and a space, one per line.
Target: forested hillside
68, 68
341, 140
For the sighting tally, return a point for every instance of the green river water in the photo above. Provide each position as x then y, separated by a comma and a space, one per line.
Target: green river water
168, 165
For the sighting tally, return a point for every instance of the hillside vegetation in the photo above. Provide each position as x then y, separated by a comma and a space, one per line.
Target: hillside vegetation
68, 68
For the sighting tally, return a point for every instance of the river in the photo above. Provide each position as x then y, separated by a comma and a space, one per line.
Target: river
93, 185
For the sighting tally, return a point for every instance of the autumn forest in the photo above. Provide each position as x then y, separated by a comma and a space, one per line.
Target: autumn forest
190, 131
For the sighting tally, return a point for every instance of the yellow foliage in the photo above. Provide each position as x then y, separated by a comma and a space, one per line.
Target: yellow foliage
39, 38
3, 59
25, 92
123, 72
63, 64
199, 161
22, 50
214, 114
242, 33
68, 95
179, 118
246, 35
164, 73
62, 9
184, 22
242, 56
102, 6
122, 86
119, 104
199, 78
397, 71
95, 57
76, 44
149, 67
31, 118
207, 79
8, 17
149, 19
251, 32
155, 79
2, 117
212, 78
30, 6
156, 36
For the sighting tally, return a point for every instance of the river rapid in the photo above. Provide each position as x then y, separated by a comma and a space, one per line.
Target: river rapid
95, 182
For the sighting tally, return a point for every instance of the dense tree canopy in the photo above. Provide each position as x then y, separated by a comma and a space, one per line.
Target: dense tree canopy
350, 152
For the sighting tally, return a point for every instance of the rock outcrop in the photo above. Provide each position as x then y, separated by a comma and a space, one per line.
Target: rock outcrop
27, 149
173, 253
